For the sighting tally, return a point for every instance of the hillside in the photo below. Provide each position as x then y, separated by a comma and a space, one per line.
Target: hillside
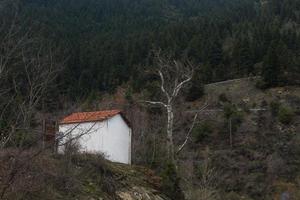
82, 177
263, 161
176, 70
105, 44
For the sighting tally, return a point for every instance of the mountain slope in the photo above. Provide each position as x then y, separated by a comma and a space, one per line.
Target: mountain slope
248, 139
109, 42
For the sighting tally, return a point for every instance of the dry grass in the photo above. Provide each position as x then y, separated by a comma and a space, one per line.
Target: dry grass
50, 176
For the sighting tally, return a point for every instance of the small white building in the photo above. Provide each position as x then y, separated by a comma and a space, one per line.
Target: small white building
106, 132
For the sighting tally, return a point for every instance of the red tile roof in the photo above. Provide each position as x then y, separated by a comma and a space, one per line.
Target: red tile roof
89, 116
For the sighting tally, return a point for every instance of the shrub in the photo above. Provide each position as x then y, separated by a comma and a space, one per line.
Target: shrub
229, 110
223, 98
285, 115
261, 84
128, 95
235, 196
255, 184
274, 106
23, 139
238, 118
195, 92
244, 106
170, 182
202, 131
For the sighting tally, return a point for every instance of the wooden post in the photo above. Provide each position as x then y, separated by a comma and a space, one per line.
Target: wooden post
230, 131
43, 132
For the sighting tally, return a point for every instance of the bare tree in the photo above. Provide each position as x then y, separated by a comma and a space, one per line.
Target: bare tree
28, 67
174, 76
208, 180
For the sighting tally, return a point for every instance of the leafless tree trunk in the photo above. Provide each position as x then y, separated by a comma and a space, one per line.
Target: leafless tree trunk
230, 131
174, 76
28, 66
188, 135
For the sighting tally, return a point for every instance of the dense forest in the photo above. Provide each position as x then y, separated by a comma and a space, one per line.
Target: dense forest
109, 42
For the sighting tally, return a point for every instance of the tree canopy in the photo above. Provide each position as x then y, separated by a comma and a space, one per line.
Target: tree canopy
109, 42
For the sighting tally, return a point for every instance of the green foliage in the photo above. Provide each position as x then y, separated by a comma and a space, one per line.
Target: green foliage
90, 99
271, 67
244, 106
23, 139
231, 111
261, 84
202, 131
196, 88
237, 119
3, 126
285, 114
128, 95
223, 98
170, 182
233, 114
234, 118
274, 106
109, 42
195, 92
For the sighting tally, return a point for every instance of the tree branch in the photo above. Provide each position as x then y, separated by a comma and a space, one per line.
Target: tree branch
188, 135
156, 103
162, 87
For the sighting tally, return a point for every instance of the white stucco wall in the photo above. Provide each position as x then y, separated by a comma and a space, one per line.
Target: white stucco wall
111, 137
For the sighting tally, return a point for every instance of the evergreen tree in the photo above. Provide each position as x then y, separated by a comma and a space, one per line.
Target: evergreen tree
109, 40
271, 66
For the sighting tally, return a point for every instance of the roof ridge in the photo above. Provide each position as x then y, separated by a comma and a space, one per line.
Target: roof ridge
78, 117
98, 111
